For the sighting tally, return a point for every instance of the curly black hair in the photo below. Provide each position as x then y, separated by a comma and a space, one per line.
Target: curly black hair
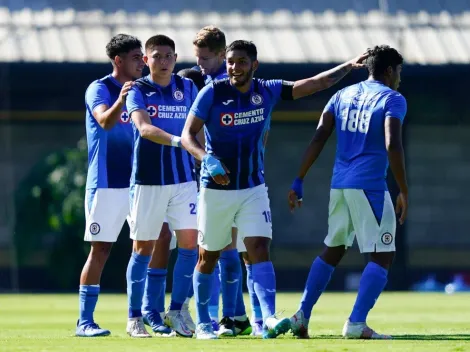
245, 45
380, 58
122, 44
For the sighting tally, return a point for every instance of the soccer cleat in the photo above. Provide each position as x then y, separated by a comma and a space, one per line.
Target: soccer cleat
90, 330
226, 327
243, 327
154, 320
361, 331
205, 332
187, 318
175, 320
136, 328
299, 325
257, 328
275, 327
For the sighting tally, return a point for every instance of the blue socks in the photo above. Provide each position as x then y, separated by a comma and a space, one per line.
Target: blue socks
202, 294
255, 305
88, 296
154, 290
182, 277
136, 277
264, 280
318, 278
215, 294
373, 281
240, 310
230, 280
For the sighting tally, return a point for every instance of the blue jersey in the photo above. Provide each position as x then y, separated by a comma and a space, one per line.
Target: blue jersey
168, 107
221, 73
235, 126
360, 111
109, 151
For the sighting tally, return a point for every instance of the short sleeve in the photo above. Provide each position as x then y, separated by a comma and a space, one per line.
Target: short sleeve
203, 102
135, 100
330, 106
97, 94
395, 106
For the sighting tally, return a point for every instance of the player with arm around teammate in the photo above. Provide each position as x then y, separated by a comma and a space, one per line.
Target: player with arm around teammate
109, 138
368, 119
235, 114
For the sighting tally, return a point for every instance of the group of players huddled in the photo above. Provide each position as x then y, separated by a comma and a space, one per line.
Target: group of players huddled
181, 157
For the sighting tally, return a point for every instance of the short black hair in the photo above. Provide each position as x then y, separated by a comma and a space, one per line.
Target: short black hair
122, 44
245, 45
159, 40
380, 58
193, 75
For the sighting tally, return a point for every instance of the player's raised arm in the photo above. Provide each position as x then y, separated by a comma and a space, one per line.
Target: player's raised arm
395, 113
324, 80
322, 134
139, 115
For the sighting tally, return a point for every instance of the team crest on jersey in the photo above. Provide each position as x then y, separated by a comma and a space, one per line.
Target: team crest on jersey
178, 95
125, 117
152, 110
256, 99
95, 228
200, 236
387, 238
226, 119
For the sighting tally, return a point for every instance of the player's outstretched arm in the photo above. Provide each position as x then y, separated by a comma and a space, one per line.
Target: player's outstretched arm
148, 131
396, 157
322, 134
324, 80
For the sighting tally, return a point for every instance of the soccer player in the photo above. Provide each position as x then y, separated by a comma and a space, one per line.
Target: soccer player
162, 183
209, 48
368, 117
154, 296
236, 113
109, 137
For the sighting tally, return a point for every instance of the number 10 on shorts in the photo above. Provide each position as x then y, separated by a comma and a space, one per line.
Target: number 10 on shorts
267, 216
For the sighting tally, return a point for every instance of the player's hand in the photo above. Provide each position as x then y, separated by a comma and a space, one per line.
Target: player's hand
402, 207
216, 169
295, 194
125, 90
357, 62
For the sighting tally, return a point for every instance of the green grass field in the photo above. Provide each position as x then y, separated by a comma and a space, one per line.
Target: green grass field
418, 322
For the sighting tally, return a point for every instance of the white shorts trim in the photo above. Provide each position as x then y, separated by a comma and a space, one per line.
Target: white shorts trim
218, 210
351, 216
150, 205
106, 210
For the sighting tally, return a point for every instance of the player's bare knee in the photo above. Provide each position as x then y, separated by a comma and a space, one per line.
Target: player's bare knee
258, 249
333, 255
187, 239
100, 250
207, 260
384, 259
165, 234
144, 247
